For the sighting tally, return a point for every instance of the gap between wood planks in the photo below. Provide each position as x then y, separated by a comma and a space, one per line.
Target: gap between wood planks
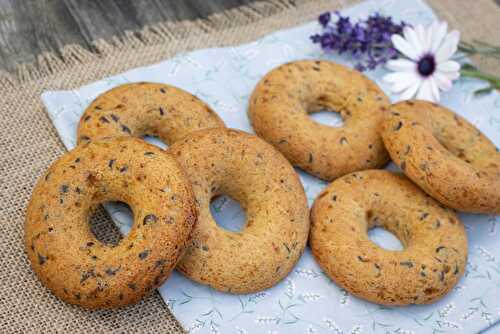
29, 28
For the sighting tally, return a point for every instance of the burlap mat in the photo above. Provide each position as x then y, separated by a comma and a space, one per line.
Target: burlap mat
29, 143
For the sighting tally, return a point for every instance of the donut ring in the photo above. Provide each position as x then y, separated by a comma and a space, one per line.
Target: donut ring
223, 161
445, 155
64, 253
435, 241
146, 108
282, 101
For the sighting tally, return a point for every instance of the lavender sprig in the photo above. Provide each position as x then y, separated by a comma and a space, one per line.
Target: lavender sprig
368, 41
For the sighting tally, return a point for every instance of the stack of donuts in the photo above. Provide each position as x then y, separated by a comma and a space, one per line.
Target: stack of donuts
447, 164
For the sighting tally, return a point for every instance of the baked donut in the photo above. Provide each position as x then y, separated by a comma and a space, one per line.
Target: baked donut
68, 258
146, 108
435, 242
445, 155
282, 101
230, 162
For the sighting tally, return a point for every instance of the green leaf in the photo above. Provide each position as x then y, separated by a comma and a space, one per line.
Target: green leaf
469, 67
483, 91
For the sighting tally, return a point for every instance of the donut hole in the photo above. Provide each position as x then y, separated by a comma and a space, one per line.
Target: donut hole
228, 213
327, 117
155, 140
103, 227
385, 239
378, 230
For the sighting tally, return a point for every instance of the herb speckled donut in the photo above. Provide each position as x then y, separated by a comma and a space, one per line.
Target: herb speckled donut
146, 108
64, 253
230, 162
282, 100
445, 155
434, 240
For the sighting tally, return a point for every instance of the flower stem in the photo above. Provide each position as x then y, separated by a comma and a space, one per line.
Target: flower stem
480, 48
468, 70
471, 71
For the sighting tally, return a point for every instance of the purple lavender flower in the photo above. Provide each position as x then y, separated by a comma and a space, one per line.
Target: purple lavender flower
368, 41
324, 19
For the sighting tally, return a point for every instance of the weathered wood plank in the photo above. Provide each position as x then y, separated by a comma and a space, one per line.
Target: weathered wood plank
30, 27
16, 34
104, 19
99, 19
53, 26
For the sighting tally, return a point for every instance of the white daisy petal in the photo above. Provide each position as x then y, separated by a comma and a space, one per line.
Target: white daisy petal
448, 47
423, 38
405, 80
434, 89
396, 77
454, 36
448, 66
442, 81
412, 37
404, 47
401, 65
452, 75
400, 86
392, 77
430, 33
410, 91
438, 34
409, 79
425, 91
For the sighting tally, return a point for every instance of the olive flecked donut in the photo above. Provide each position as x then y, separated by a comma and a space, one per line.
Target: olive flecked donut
445, 155
63, 251
434, 240
279, 108
229, 162
146, 108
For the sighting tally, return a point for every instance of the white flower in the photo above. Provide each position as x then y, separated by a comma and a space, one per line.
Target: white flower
427, 68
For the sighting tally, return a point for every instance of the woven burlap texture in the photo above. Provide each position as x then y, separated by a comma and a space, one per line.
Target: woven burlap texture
29, 143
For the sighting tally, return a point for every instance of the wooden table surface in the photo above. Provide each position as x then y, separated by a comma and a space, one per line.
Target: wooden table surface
30, 27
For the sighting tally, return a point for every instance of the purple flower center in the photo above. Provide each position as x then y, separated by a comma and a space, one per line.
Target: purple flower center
426, 65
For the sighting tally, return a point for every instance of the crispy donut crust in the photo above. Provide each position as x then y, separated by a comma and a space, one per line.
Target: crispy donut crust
64, 253
230, 162
146, 108
445, 155
435, 242
282, 101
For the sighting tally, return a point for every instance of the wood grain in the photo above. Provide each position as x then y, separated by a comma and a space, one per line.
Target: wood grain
31, 27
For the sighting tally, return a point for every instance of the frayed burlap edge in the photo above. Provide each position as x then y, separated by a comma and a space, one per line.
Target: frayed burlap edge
50, 63
457, 13
29, 143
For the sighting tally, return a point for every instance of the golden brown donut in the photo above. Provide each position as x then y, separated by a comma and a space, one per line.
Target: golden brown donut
146, 108
283, 99
445, 155
434, 240
64, 253
230, 162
